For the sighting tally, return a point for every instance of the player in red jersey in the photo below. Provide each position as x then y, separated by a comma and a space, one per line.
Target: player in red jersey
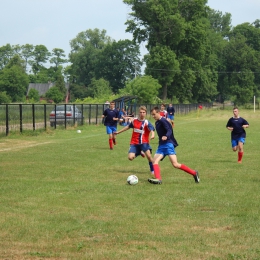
163, 112
139, 144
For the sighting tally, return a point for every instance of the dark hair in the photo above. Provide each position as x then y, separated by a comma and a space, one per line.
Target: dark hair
157, 110
235, 108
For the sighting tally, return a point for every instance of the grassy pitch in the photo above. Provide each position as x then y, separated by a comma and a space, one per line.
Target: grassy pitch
64, 195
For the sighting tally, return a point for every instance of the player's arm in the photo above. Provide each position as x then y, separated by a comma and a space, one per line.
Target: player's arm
245, 126
229, 125
152, 134
122, 130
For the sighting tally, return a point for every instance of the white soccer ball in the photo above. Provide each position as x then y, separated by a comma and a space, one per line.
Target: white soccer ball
132, 180
78, 131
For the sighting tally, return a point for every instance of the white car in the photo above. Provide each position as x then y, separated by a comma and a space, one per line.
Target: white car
73, 115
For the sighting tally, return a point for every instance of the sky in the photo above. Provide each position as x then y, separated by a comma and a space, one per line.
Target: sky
54, 23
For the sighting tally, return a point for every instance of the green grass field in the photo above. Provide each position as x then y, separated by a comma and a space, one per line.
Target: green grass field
64, 195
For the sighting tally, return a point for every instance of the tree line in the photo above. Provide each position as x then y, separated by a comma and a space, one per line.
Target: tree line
194, 55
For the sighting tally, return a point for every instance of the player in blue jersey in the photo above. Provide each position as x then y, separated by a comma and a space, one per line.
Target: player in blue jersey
170, 114
237, 125
111, 116
167, 144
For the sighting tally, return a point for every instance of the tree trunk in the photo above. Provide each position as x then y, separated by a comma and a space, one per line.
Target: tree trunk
164, 97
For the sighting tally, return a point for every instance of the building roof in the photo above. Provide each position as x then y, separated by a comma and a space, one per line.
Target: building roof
42, 88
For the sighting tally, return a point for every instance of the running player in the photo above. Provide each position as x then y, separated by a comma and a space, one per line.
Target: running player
237, 125
111, 116
139, 143
167, 144
170, 114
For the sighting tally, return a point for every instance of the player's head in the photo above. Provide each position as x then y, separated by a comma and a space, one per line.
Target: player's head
112, 104
235, 111
155, 113
162, 106
142, 112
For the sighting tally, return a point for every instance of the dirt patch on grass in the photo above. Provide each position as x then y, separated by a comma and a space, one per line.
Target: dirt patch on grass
12, 145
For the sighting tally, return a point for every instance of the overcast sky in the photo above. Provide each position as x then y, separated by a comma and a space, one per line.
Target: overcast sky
54, 23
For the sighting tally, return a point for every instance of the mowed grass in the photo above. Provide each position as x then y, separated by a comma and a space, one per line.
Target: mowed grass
64, 195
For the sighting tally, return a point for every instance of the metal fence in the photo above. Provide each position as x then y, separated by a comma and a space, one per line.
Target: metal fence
19, 117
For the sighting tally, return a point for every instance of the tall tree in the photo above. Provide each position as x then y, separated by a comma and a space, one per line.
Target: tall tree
13, 79
84, 54
58, 57
40, 57
145, 87
177, 26
118, 62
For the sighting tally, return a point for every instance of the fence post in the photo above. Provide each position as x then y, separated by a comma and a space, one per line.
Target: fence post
45, 120
6, 120
21, 117
33, 115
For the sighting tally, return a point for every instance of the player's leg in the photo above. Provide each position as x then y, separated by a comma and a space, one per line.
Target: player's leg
114, 129
157, 172
146, 148
183, 167
110, 137
234, 144
240, 149
132, 152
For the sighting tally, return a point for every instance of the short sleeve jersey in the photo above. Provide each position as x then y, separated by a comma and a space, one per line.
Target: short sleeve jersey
109, 115
141, 131
163, 113
164, 128
238, 130
170, 110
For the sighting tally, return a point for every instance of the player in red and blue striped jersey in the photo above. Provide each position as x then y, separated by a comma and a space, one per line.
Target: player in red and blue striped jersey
139, 143
163, 112
111, 116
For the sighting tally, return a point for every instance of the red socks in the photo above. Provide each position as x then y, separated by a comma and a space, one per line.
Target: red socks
110, 143
157, 173
240, 155
187, 169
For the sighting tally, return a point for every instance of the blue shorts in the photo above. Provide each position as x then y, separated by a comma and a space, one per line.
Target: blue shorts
171, 117
234, 142
110, 129
166, 149
137, 148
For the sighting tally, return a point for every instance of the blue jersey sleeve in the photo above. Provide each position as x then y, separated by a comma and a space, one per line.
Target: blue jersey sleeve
150, 127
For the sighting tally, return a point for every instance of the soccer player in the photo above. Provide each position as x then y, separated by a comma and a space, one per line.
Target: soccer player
237, 125
111, 116
167, 144
163, 112
139, 143
170, 114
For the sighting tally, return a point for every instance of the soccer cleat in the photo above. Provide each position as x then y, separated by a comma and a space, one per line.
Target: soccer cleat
114, 141
196, 177
142, 154
155, 181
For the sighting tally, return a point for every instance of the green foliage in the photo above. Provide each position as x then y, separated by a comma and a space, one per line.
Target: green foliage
34, 94
100, 89
4, 98
145, 87
118, 62
54, 94
14, 80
